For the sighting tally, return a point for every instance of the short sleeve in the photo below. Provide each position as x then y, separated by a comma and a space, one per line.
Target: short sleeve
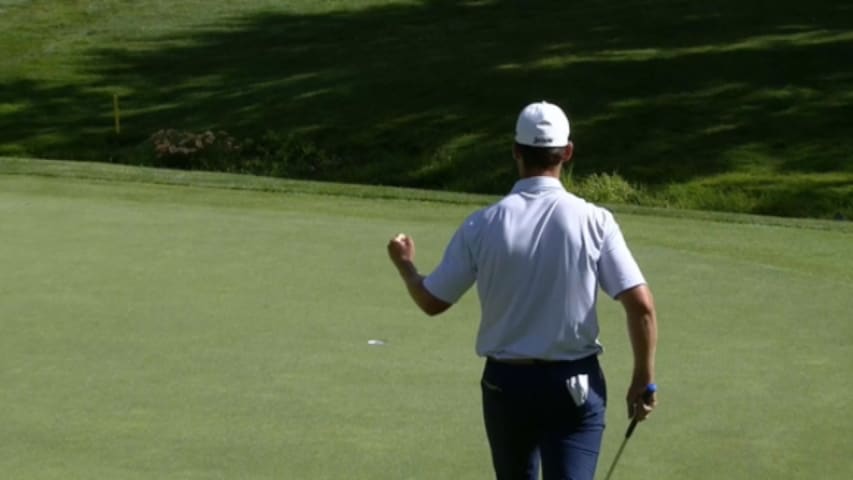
456, 272
617, 269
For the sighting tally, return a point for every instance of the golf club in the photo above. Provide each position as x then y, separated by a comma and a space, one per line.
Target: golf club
647, 397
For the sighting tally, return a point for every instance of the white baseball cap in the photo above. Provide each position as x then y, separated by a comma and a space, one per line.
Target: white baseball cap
542, 124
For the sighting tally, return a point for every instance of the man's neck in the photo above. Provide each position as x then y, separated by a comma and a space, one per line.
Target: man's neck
546, 172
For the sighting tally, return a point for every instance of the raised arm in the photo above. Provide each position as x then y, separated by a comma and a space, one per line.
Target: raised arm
401, 250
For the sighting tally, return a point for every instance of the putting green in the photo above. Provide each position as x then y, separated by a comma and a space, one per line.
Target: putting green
155, 331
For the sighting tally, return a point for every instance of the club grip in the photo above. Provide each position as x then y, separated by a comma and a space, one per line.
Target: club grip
647, 397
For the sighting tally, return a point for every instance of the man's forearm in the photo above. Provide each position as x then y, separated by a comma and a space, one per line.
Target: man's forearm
643, 332
412, 279
415, 285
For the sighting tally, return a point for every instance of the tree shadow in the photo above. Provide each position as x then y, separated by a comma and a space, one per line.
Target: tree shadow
427, 94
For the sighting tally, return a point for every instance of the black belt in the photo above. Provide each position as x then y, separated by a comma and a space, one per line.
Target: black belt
523, 361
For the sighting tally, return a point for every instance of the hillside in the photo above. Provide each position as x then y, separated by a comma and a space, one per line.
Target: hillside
724, 105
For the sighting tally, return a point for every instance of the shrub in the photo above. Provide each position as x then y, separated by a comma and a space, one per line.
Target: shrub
292, 156
273, 155
604, 188
195, 151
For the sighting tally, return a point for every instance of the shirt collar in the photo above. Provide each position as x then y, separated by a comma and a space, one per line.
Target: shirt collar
537, 184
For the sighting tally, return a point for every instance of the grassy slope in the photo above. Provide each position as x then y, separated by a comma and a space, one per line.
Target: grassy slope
739, 104
184, 332
111, 173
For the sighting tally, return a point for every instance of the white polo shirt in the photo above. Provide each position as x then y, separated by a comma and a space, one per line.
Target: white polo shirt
538, 257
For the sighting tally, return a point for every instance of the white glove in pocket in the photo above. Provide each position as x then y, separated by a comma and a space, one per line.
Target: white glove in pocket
579, 388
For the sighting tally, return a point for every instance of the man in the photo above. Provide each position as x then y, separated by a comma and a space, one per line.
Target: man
538, 257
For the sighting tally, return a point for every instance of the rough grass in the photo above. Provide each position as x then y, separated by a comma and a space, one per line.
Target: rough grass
828, 195
672, 96
600, 185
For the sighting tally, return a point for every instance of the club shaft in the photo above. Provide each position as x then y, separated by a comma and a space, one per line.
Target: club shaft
646, 398
616, 459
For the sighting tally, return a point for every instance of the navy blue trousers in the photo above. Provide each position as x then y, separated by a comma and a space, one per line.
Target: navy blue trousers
531, 417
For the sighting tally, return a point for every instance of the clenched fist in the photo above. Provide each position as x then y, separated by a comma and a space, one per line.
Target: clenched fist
401, 249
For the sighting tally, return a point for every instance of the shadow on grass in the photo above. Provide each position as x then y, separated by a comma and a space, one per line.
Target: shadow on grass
426, 95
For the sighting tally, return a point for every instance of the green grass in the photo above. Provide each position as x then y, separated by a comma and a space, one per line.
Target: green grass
601, 188
670, 95
217, 327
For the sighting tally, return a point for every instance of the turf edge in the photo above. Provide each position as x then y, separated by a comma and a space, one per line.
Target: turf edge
134, 174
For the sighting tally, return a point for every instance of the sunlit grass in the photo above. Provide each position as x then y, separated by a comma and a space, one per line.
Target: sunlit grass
175, 325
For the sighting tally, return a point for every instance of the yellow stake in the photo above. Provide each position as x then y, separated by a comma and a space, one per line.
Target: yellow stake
116, 113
